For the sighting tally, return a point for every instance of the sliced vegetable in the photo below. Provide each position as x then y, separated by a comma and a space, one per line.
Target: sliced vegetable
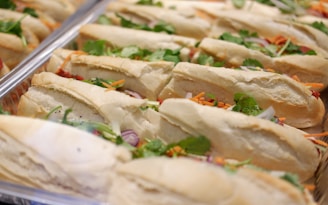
160, 26
150, 3
273, 47
246, 104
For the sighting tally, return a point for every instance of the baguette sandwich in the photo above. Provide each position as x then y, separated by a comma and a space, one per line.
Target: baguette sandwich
234, 20
289, 98
241, 137
157, 19
88, 102
160, 181
146, 79
57, 158
113, 36
299, 61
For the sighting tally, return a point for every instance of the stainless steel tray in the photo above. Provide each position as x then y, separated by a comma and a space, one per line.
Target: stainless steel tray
13, 85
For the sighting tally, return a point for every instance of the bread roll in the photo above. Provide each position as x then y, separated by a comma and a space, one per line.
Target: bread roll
238, 136
88, 102
193, 27
308, 68
179, 181
155, 41
289, 98
57, 158
145, 78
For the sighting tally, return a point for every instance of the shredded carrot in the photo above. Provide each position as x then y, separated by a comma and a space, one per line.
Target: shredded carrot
108, 86
282, 119
219, 160
314, 85
323, 134
309, 187
270, 70
176, 150
320, 142
319, 7
68, 58
51, 26
202, 94
111, 85
295, 77
118, 82
277, 40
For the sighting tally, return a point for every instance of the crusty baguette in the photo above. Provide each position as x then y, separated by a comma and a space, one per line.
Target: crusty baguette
193, 27
238, 136
114, 34
57, 158
88, 102
288, 97
308, 68
178, 181
235, 20
145, 78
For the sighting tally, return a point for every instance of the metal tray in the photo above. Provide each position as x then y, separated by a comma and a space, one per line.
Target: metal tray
14, 84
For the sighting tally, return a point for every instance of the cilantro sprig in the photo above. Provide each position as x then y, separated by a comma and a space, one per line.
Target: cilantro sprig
160, 26
149, 3
99, 48
246, 104
10, 4
190, 145
13, 27
320, 26
273, 50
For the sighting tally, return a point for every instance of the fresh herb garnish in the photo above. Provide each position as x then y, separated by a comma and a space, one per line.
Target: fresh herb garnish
238, 3
293, 179
7, 4
96, 48
30, 12
285, 47
160, 26
99, 48
104, 20
3, 112
320, 26
246, 104
150, 3
102, 82
249, 62
194, 145
204, 59
191, 145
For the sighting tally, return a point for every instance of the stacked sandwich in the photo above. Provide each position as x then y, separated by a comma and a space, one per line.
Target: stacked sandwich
26, 23
177, 103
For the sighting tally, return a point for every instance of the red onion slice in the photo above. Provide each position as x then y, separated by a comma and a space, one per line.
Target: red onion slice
130, 137
260, 41
133, 94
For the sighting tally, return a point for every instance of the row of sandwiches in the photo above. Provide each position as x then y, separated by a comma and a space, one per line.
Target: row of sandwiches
173, 102
25, 24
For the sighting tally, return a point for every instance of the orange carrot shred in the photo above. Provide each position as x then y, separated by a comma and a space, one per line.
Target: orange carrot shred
118, 82
323, 134
314, 85
320, 142
309, 187
68, 58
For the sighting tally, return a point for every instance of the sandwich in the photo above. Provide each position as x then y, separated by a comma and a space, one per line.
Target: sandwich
176, 181
157, 19
57, 158
301, 107
113, 35
145, 79
88, 102
238, 136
